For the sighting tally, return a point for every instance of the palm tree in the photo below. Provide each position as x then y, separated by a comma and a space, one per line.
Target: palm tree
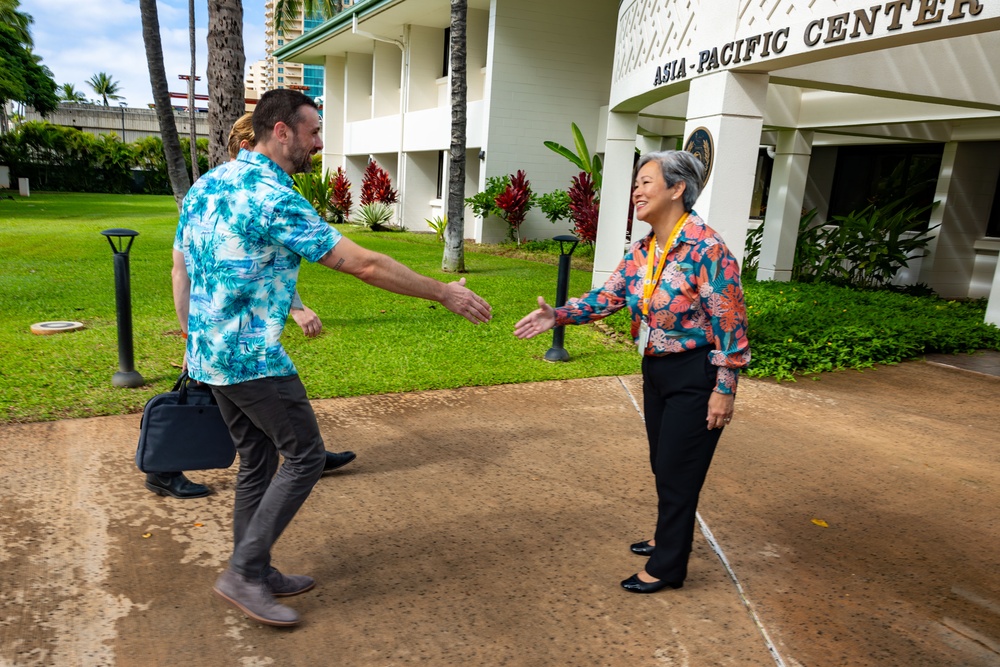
226, 59
454, 235
286, 11
176, 169
105, 86
191, 110
69, 93
19, 21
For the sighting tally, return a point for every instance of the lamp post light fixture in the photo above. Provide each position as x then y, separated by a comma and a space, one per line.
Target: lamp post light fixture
126, 375
557, 352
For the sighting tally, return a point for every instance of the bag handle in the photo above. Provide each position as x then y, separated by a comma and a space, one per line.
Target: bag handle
183, 384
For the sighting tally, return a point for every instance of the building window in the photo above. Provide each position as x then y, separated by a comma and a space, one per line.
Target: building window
446, 60
761, 184
281, 70
281, 79
440, 179
280, 42
883, 174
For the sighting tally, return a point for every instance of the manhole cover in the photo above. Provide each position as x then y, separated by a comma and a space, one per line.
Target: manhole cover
45, 328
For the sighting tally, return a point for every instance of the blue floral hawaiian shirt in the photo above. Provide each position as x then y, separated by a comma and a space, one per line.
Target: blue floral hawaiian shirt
243, 230
699, 300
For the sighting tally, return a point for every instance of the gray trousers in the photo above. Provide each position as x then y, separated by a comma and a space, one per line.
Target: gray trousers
266, 417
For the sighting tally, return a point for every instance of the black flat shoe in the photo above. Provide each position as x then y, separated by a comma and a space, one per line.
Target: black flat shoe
177, 486
636, 585
336, 460
643, 548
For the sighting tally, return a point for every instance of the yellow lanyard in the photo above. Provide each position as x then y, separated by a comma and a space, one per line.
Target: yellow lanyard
653, 279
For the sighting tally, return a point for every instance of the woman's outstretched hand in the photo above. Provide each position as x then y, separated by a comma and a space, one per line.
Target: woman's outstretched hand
537, 321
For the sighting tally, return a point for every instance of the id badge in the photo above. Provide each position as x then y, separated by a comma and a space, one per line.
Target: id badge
643, 339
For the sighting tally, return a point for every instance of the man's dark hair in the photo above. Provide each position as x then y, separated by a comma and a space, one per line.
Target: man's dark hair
278, 106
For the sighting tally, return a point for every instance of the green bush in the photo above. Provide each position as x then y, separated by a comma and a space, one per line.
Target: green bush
64, 159
808, 328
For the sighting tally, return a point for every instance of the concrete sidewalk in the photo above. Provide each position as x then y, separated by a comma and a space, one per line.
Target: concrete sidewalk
490, 526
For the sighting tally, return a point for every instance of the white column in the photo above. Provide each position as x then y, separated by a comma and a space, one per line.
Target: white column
965, 189
993, 304
731, 107
334, 112
616, 190
784, 205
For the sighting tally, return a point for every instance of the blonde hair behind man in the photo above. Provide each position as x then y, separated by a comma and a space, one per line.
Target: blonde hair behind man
241, 136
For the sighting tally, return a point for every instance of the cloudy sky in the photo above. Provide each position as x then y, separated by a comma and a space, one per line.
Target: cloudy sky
79, 39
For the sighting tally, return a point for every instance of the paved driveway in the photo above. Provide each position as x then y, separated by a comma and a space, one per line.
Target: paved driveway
489, 526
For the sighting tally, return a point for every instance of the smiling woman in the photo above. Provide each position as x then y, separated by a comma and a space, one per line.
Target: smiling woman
682, 288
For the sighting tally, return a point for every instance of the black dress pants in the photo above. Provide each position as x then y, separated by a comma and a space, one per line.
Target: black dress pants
676, 388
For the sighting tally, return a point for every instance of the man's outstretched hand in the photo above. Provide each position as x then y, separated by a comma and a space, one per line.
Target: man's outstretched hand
460, 300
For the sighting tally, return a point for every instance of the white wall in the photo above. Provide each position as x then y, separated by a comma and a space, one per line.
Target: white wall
385, 74
359, 86
551, 66
421, 189
426, 63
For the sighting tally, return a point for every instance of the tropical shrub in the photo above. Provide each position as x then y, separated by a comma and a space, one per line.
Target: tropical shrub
376, 215
582, 158
376, 185
863, 249
555, 205
585, 207
316, 190
438, 224
513, 204
484, 203
340, 197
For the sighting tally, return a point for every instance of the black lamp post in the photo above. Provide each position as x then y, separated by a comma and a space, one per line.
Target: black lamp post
126, 375
557, 352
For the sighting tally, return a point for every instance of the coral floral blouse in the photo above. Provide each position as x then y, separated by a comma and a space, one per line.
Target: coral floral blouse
698, 302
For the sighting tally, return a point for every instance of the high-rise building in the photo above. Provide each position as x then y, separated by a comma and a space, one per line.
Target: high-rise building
271, 73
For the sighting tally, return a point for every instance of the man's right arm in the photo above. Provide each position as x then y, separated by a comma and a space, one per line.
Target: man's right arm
182, 289
386, 273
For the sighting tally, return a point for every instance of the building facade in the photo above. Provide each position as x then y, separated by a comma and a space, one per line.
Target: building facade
532, 69
801, 106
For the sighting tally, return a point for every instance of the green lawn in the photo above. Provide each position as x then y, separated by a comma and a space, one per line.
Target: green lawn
57, 266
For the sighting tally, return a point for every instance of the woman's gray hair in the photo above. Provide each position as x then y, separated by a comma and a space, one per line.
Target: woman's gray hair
677, 166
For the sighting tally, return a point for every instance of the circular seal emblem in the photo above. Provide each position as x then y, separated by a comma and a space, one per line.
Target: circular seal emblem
700, 144
46, 328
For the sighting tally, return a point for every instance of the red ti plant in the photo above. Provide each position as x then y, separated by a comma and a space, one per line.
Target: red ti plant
340, 196
514, 203
584, 207
376, 185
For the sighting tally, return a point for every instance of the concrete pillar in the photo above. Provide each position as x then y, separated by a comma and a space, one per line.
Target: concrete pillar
993, 304
966, 184
616, 190
334, 112
731, 107
784, 205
